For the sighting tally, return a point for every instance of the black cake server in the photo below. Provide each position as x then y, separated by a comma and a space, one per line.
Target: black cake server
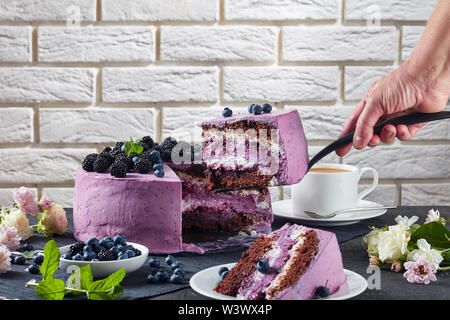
407, 120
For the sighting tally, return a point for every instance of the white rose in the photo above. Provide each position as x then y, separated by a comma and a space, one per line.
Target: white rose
405, 221
18, 220
425, 252
370, 242
393, 243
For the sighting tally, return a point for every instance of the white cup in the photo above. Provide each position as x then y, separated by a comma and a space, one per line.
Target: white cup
324, 193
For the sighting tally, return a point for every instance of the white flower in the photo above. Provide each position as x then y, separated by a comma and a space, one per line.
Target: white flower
393, 243
370, 242
425, 252
18, 220
405, 221
433, 216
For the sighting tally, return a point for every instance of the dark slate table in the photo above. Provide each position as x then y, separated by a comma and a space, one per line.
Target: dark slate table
393, 285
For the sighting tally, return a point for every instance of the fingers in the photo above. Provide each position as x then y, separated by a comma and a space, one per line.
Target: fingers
375, 141
349, 126
405, 133
364, 126
388, 133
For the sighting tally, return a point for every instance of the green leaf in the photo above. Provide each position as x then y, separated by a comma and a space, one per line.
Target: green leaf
51, 289
108, 288
435, 233
51, 260
131, 146
80, 278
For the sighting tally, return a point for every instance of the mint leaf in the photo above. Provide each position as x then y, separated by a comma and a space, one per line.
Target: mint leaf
51, 260
108, 288
435, 233
80, 279
50, 289
131, 146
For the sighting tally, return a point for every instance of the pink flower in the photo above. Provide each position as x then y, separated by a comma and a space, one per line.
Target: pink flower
9, 237
433, 216
373, 261
55, 220
420, 270
26, 201
396, 266
45, 203
5, 261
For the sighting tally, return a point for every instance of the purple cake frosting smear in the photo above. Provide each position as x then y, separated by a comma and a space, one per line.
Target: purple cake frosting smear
273, 144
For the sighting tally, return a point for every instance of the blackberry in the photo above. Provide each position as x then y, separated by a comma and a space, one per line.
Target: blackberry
88, 162
137, 252
148, 141
118, 169
105, 255
76, 248
101, 164
142, 166
118, 146
127, 160
106, 150
25, 247
133, 154
117, 152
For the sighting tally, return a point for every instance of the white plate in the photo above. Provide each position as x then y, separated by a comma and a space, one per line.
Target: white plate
206, 280
105, 268
283, 209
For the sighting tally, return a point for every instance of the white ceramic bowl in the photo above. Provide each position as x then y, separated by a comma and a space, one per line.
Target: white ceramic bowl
105, 268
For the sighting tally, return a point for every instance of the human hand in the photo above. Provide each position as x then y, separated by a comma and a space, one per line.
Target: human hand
398, 93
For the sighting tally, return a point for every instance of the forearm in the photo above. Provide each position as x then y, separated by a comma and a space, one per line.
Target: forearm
430, 60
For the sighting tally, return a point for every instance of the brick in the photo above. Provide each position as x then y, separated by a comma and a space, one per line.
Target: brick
47, 10
46, 84
432, 194
16, 125
280, 83
438, 130
359, 79
331, 43
331, 158
384, 194
236, 43
96, 44
415, 10
281, 10
159, 84
160, 10
7, 196
410, 38
62, 196
40, 165
15, 44
94, 125
399, 161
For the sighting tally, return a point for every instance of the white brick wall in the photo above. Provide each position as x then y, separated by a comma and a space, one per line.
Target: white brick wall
78, 75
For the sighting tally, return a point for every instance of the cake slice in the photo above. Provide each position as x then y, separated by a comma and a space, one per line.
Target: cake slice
254, 150
298, 259
234, 211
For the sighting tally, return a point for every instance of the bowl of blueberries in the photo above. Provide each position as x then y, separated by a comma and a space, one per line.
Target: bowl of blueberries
105, 256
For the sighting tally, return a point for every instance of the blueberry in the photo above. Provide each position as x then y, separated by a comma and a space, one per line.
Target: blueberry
170, 259
157, 166
92, 242
175, 278
155, 154
180, 272
263, 266
176, 265
162, 276
256, 109
152, 279
94, 260
135, 159
34, 269
107, 244
114, 250
250, 107
322, 292
154, 263
130, 253
78, 257
89, 255
266, 108
88, 249
227, 112
108, 239
224, 274
122, 148
19, 259
38, 259
66, 256
120, 239
159, 173
122, 256
222, 270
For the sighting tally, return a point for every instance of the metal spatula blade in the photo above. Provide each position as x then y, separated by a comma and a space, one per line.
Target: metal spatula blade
407, 120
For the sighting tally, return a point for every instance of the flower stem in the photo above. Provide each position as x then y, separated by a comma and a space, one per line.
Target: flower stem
444, 268
35, 284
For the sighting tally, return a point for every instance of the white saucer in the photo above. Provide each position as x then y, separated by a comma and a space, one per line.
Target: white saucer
206, 280
283, 209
